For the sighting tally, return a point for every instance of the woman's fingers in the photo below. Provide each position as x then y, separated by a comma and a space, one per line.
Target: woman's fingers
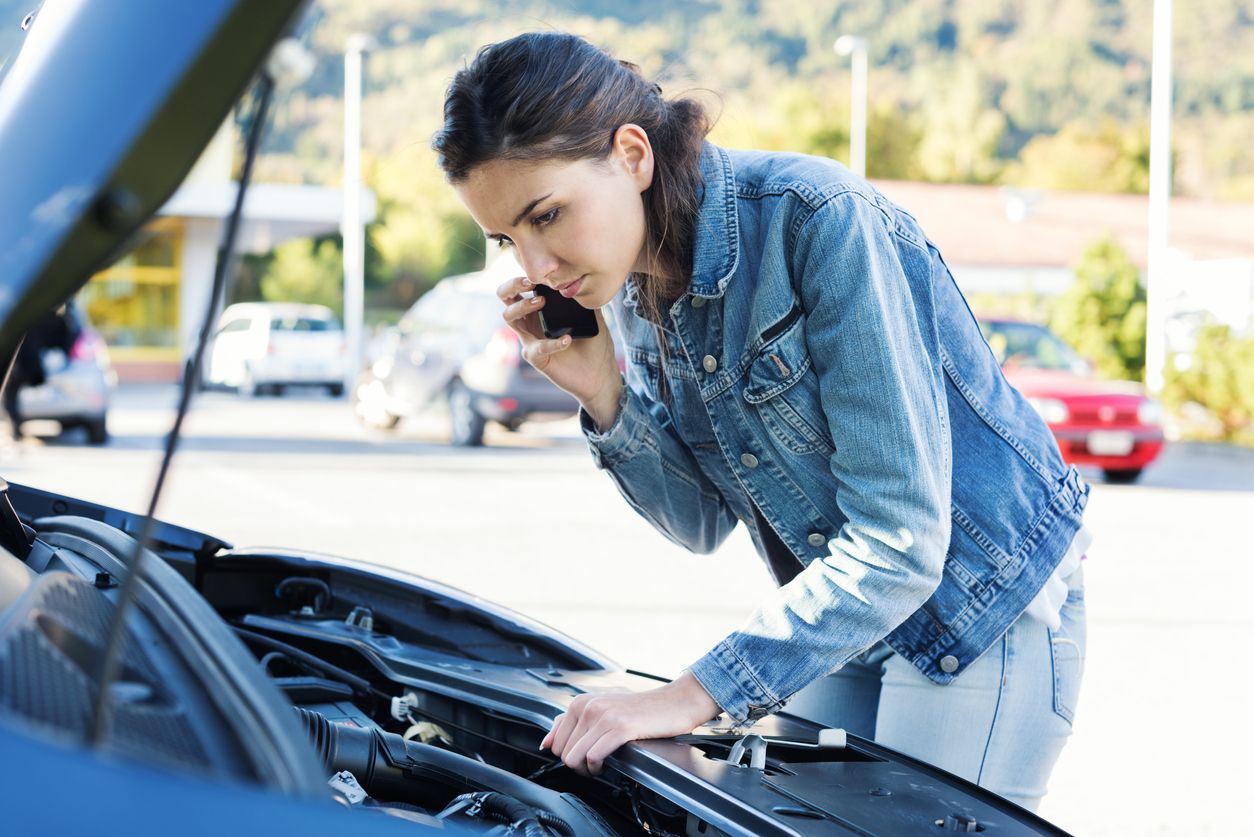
588, 753
537, 352
604, 747
512, 289
547, 743
519, 310
563, 726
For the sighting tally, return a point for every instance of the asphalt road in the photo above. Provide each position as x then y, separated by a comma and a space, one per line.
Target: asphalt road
1163, 735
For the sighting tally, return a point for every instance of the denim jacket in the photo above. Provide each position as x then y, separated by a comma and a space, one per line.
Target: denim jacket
830, 388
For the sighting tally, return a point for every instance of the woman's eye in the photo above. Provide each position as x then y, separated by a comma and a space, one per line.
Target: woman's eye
547, 218
504, 242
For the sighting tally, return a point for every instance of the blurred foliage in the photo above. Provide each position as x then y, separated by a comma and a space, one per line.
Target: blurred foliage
1046, 95
1102, 314
1078, 159
1219, 376
306, 270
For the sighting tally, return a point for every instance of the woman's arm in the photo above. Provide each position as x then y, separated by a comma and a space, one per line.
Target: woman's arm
871, 333
657, 474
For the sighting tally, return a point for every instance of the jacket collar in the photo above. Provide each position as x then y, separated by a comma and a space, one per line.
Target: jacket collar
716, 245
716, 248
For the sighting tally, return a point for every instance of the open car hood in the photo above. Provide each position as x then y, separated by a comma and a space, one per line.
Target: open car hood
102, 113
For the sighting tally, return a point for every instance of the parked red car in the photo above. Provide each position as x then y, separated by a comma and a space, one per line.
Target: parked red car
1112, 425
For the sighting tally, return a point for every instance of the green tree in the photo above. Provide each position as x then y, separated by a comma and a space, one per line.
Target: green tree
1220, 376
423, 233
1102, 314
1110, 158
961, 134
306, 270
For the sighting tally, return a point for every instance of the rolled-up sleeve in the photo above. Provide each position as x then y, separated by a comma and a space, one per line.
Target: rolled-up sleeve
871, 333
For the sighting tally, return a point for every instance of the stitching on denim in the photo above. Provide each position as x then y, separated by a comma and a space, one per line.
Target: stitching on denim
1001, 690
997, 427
968, 579
813, 441
758, 396
683, 477
982, 540
1007, 572
770, 699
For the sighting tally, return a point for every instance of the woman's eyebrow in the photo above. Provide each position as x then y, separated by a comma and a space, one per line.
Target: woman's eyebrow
528, 208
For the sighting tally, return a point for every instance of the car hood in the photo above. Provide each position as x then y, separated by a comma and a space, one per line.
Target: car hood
103, 111
1047, 383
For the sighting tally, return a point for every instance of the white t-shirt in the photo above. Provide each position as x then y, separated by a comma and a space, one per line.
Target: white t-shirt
1047, 606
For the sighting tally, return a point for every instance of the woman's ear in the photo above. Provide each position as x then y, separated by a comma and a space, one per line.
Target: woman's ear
633, 151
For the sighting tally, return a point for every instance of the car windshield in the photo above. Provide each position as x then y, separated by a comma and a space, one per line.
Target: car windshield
1030, 346
13, 16
304, 324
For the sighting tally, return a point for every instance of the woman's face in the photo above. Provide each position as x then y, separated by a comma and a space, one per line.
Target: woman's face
576, 226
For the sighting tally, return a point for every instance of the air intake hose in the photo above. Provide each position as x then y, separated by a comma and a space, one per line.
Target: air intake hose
389, 767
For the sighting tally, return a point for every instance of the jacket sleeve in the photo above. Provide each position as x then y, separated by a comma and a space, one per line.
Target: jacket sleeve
871, 334
658, 476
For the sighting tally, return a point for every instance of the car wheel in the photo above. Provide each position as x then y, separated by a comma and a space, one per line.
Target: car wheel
97, 431
336, 390
1121, 476
468, 425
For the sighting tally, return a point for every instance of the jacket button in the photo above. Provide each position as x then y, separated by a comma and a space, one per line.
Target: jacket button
698, 302
816, 539
710, 363
949, 664
748, 460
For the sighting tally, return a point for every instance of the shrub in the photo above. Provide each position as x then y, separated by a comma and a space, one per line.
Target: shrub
1102, 314
1220, 376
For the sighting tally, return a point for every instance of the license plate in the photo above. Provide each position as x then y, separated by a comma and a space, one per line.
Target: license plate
1110, 443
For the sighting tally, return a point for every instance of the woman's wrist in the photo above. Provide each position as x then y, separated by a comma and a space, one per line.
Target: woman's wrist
693, 694
603, 407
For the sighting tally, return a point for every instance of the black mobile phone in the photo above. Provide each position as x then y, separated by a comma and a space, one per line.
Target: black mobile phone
563, 315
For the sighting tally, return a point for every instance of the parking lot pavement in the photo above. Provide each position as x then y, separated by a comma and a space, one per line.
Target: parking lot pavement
1163, 729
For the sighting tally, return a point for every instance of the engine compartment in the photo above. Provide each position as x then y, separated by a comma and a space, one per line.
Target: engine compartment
392, 695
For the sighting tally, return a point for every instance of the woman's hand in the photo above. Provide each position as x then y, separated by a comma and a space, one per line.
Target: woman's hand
594, 726
586, 368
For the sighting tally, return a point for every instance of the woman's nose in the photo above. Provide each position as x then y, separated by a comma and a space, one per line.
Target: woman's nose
537, 263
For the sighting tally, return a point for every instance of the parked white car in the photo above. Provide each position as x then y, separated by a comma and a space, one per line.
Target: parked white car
262, 347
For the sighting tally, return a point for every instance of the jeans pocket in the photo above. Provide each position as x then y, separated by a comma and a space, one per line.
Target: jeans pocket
1066, 647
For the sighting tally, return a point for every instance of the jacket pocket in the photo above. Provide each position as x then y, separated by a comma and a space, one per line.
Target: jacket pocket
784, 392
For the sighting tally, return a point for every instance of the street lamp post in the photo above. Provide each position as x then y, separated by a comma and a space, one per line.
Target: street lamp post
856, 47
351, 226
1159, 196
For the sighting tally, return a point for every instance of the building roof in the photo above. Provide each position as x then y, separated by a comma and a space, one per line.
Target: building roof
273, 212
972, 226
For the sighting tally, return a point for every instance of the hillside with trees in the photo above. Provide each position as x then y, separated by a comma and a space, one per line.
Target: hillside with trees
1049, 95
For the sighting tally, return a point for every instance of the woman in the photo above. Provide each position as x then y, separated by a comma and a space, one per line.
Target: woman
798, 360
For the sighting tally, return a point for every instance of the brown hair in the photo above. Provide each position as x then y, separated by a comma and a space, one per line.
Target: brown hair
549, 95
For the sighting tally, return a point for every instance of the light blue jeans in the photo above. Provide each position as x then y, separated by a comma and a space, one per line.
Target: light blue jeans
1001, 724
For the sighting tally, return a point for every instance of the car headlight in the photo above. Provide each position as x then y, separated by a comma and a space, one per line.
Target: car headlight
1051, 410
1150, 412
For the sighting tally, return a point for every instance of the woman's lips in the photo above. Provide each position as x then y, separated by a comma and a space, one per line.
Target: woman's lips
572, 288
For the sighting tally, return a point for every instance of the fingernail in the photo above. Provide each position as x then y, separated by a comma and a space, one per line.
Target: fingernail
566, 341
526, 281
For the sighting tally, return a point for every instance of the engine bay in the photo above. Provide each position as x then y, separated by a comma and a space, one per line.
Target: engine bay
395, 696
